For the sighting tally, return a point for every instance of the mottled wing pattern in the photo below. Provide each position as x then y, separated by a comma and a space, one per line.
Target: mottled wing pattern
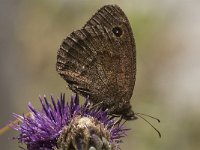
99, 59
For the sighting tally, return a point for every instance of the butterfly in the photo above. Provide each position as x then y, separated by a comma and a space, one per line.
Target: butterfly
99, 61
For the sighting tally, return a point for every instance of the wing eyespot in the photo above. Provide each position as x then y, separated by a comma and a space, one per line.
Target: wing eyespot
117, 31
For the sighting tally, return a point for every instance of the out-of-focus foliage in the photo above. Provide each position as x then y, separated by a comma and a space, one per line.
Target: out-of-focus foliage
168, 68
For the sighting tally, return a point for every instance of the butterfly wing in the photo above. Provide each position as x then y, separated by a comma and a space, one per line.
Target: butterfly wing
99, 59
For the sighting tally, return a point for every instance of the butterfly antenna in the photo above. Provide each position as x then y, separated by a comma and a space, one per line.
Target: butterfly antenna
149, 116
149, 124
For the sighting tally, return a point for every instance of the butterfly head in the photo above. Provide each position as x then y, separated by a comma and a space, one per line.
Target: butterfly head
129, 115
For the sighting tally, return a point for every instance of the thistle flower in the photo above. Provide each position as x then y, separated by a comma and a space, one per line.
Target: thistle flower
69, 126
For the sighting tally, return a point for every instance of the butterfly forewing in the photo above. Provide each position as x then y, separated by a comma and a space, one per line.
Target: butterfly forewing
99, 60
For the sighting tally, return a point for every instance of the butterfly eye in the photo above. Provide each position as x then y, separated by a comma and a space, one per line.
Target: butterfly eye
117, 31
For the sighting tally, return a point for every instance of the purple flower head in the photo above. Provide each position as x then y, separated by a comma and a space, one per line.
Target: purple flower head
68, 126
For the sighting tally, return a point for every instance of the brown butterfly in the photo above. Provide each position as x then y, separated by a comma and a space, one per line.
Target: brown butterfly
99, 61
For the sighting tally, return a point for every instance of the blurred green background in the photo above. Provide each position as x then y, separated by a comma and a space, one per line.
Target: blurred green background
168, 64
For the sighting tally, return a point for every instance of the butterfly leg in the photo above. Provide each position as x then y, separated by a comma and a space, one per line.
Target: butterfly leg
80, 90
97, 105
